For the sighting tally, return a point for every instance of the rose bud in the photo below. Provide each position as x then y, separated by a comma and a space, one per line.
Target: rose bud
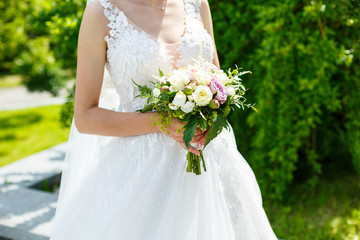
179, 99
214, 104
188, 90
164, 89
193, 85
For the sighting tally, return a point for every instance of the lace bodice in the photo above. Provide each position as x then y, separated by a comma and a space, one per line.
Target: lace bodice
134, 55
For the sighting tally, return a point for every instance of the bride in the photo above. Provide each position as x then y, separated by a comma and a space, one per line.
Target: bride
124, 178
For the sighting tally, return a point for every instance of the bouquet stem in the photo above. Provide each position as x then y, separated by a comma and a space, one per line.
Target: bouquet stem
194, 162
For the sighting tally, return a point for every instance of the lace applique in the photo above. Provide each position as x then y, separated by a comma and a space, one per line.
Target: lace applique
193, 8
197, 37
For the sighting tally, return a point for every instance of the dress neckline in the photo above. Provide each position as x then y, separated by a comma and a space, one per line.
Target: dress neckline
136, 28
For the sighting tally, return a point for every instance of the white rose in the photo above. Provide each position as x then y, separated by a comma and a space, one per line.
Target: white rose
203, 78
222, 77
202, 95
173, 107
188, 107
190, 98
179, 79
156, 92
179, 99
231, 91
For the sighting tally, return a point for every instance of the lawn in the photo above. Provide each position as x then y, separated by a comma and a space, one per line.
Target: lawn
330, 211
24, 132
10, 80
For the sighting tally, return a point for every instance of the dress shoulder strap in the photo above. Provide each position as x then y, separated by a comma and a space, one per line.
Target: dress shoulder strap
117, 22
110, 11
193, 8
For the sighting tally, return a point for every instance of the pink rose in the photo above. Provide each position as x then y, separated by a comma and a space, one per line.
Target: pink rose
216, 86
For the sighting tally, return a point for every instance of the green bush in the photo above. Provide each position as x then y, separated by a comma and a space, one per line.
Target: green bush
12, 31
39, 40
38, 66
304, 56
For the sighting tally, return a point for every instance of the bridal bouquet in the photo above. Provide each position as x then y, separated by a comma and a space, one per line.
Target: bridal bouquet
200, 95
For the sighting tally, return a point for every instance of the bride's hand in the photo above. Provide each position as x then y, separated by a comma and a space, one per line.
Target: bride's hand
199, 137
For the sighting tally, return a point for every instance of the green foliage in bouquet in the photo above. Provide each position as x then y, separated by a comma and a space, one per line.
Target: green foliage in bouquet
305, 59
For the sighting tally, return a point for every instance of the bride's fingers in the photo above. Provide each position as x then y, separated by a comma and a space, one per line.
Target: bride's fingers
198, 131
191, 149
201, 138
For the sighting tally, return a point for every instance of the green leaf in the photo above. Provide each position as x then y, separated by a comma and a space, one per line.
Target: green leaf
189, 131
221, 120
164, 97
154, 100
216, 128
161, 73
145, 90
147, 108
202, 123
213, 132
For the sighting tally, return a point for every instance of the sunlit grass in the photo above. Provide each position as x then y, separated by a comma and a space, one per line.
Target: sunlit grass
25, 132
330, 211
10, 80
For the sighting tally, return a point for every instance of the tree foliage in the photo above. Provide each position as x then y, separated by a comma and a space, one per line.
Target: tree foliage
304, 56
38, 40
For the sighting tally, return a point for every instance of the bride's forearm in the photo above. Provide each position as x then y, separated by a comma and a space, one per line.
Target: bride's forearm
105, 122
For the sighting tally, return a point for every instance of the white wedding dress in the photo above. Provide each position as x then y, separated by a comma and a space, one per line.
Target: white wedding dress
136, 188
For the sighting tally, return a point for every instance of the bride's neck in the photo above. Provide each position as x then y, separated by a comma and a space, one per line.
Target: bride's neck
152, 2
158, 2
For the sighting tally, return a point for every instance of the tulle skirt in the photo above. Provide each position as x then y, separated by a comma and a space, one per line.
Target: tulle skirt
136, 188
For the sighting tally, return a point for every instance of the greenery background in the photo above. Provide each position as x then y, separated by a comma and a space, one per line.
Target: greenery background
303, 145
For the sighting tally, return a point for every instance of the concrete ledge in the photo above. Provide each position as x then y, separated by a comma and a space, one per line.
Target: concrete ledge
11, 234
27, 213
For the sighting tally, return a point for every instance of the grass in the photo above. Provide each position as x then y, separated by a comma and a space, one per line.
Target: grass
10, 80
25, 132
330, 211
